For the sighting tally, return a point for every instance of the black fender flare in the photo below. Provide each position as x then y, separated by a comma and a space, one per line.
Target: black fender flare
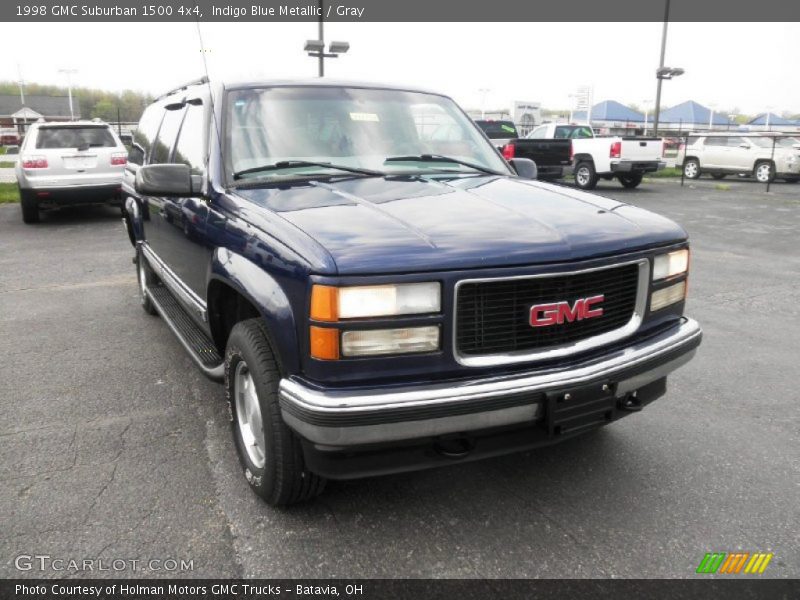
265, 293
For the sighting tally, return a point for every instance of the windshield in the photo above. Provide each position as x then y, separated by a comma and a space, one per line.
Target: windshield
351, 127
497, 130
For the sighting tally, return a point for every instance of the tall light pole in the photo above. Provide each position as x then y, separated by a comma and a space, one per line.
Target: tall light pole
21, 85
711, 116
483, 92
663, 72
69, 73
316, 48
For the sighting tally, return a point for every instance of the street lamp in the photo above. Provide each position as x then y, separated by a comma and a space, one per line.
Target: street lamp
663, 73
316, 48
646, 105
69, 73
483, 92
711, 116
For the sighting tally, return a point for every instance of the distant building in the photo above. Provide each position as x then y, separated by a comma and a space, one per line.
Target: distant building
773, 122
613, 117
527, 115
693, 116
50, 108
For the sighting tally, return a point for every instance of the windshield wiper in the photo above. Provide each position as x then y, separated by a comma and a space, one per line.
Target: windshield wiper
442, 159
288, 164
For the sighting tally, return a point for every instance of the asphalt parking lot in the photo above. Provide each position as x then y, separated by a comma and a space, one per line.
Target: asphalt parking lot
112, 445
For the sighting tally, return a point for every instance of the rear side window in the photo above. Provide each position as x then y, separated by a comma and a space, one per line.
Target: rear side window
189, 149
538, 133
573, 132
166, 136
716, 141
75, 137
146, 130
498, 129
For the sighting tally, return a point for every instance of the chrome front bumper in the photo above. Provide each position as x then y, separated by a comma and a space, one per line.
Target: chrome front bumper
342, 418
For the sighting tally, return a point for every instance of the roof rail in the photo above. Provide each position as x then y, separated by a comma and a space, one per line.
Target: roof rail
202, 80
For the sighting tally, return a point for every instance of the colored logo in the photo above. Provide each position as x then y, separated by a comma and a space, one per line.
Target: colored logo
735, 562
557, 313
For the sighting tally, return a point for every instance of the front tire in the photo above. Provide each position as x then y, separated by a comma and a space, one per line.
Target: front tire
691, 169
269, 451
764, 172
630, 181
29, 206
585, 176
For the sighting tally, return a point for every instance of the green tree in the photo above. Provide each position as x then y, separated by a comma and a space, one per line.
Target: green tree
104, 109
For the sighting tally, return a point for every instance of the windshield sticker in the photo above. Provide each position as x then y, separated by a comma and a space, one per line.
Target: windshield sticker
359, 116
508, 128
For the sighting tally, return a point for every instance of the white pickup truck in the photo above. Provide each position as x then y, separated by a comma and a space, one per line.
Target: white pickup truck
593, 158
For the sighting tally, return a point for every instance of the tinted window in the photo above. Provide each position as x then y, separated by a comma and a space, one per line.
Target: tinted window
146, 131
498, 129
166, 136
189, 149
75, 137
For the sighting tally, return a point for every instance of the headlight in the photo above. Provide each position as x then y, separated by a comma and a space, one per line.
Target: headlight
374, 342
668, 295
330, 303
671, 264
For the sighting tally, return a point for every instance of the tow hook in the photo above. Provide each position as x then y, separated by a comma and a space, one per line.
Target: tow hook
630, 403
454, 447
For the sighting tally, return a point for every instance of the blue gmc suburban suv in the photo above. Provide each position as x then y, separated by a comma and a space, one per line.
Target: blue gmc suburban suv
381, 291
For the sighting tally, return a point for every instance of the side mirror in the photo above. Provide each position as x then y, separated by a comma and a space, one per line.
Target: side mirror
524, 167
167, 180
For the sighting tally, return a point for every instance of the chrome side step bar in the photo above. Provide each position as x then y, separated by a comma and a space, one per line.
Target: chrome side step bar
200, 347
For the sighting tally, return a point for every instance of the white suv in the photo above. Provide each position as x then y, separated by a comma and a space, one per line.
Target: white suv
79, 162
720, 155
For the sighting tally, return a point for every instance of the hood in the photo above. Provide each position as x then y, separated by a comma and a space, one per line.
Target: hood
401, 224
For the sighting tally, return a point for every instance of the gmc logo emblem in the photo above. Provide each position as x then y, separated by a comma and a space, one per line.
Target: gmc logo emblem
558, 313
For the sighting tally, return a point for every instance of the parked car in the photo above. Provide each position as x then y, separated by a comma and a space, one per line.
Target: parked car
625, 158
500, 132
9, 137
552, 157
79, 162
721, 154
374, 305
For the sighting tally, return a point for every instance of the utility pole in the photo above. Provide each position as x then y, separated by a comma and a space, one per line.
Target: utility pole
321, 39
657, 110
483, 92
21, 85
69, 73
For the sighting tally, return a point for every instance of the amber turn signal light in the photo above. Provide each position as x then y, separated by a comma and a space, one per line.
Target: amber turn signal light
324, 303
324, 342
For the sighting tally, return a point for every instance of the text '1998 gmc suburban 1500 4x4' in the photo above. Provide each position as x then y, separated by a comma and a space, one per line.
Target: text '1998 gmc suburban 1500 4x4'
376, 300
